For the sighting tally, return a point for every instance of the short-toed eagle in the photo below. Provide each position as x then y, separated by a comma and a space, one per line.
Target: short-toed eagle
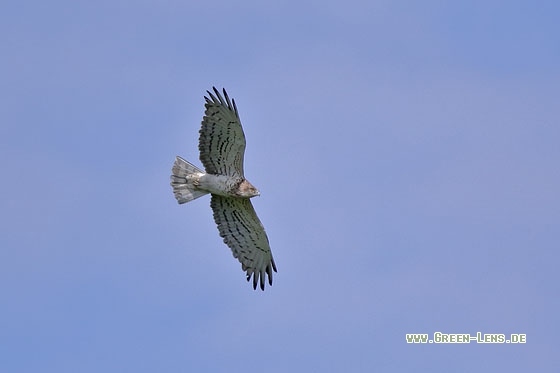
222, 147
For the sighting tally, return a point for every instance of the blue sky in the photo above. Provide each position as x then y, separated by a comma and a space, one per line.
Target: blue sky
406, 152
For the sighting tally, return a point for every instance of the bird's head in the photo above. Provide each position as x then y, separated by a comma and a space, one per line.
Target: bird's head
247, 190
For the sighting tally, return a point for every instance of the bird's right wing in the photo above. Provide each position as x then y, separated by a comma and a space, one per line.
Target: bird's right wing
243, 232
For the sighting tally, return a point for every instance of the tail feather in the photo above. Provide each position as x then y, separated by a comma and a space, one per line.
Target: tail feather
184, 178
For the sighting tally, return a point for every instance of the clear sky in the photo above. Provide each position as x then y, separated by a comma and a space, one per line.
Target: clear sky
407, 155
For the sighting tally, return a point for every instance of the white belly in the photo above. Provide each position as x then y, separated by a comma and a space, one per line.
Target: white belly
218, 184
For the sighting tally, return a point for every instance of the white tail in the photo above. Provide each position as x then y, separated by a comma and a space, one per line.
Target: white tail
184, 179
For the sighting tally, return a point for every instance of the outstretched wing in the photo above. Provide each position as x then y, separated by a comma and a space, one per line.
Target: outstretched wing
222, 141
244, 234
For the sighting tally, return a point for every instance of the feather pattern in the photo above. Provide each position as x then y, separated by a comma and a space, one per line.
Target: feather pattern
222, 141
243, 232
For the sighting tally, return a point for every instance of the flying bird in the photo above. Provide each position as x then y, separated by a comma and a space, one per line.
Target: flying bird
222, 147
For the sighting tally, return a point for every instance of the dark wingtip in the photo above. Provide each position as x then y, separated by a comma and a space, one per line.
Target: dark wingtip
216, 98
269, 273
228, 101
254, 282
211, 96
235, 107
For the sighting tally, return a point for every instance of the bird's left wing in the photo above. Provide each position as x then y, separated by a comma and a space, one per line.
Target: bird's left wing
222, 141
243, 232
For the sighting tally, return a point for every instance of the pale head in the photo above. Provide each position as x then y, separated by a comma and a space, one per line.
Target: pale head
247, 190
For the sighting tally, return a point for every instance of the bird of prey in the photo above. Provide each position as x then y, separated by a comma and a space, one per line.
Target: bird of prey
222, 147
